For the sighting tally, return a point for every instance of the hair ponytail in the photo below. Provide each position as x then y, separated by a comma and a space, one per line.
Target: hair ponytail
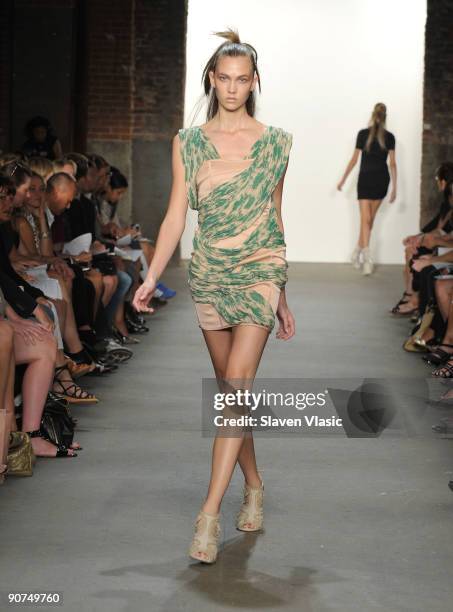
377, 126
232, 47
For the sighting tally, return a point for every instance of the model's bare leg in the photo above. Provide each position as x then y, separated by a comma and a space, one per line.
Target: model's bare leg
365, 223
374, 207
247, 345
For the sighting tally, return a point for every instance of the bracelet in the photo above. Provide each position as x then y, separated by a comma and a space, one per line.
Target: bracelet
44, 235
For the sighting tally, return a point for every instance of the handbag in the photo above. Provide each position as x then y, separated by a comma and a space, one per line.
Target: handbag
21, 458
57, 423
104, 264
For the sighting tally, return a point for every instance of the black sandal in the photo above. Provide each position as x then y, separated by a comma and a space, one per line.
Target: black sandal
448, 367
72, 393
396, 309
438, 357
62, 451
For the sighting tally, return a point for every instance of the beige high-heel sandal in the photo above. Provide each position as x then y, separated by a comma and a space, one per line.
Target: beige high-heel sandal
250, 516
205, 539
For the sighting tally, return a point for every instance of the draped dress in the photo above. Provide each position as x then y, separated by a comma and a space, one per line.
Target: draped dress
238, 261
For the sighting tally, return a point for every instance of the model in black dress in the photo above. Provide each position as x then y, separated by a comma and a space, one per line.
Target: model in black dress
375, 144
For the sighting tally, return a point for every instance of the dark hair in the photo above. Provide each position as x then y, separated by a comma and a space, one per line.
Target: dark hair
117, 179
82, 162
38, 121
97, 160
6, 184
233, 47
445, 173
16, 172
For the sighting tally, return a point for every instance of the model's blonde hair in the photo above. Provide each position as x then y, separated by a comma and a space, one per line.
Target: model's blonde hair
377, 126
232, 47
42, 166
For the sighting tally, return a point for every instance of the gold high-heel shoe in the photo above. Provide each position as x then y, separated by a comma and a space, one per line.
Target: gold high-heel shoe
250, 516
205, 539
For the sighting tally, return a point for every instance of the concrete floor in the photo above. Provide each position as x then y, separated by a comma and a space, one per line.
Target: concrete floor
350, 524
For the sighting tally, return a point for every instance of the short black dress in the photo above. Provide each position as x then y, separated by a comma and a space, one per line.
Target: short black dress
374, 176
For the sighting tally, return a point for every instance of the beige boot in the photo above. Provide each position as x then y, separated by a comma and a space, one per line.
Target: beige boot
206, 536
368, 265
250, 516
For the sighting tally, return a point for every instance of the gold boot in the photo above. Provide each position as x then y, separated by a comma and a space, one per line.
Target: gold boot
207, 532
250, 516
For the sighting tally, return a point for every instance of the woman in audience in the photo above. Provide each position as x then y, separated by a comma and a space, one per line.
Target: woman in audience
63, 383
417, 244
41, 140
111, 226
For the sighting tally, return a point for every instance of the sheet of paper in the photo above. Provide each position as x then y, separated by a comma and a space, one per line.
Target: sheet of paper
124, 241
79, 245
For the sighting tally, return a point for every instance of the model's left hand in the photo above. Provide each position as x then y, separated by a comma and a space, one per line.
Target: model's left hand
287, 324
392, 196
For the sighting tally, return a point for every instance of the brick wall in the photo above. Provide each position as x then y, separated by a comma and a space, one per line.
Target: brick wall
438, 100
5, 73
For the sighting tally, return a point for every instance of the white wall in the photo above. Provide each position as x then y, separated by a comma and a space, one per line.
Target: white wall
323, 65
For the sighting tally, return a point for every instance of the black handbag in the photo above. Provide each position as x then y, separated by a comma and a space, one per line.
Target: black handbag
57, 422
104, 264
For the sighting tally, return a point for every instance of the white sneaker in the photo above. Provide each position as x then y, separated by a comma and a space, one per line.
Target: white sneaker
355, 258
368, 265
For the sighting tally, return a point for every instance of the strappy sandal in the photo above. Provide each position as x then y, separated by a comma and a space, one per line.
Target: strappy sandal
62, 451
396, 309
250, 516
72, 392
438, 356
447, 370
207, 532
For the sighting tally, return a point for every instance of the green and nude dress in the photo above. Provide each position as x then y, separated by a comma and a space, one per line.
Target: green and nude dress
238, 264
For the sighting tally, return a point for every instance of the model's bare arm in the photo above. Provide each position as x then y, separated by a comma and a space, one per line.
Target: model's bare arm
174, 222
170, 231
349, 167
393, 174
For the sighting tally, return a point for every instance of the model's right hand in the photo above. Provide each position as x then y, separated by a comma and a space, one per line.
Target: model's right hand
143, 295
340, 185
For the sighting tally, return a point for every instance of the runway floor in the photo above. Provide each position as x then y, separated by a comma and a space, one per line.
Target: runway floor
350, 524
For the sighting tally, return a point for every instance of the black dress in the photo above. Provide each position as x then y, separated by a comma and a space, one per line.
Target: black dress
374, 176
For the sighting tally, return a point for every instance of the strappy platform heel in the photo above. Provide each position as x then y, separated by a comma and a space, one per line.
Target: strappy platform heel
62, 451
71, 392
206, 537
250, 516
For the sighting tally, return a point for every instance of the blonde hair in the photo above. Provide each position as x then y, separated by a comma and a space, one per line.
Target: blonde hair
232, 47
42, 166
59, 164
377, 126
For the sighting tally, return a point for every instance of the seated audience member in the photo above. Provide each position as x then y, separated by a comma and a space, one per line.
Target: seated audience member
65, 165
420, 244
41, 140
41, 166
111, 226
89, 310
70, 391
81, 219
26, 341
